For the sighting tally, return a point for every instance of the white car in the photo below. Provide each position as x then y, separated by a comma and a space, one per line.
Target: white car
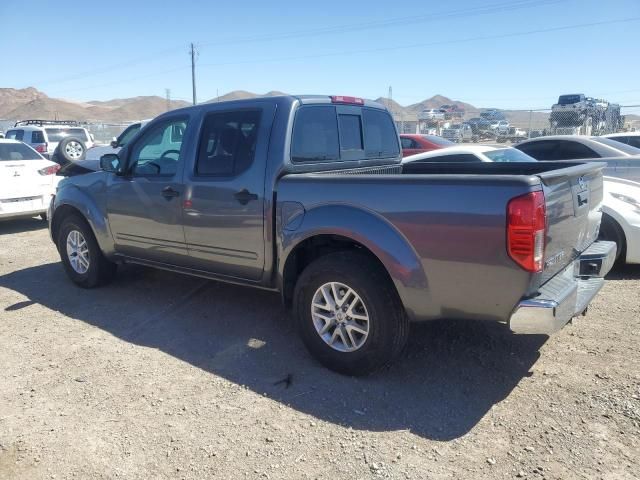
621, 201
628, 138
27, 180
621, 217
45, 136
574, 147
471, 153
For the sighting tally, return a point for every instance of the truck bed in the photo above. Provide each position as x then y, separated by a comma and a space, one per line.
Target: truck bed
454, 217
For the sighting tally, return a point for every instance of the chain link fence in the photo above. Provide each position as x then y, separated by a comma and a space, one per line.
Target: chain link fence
493, 125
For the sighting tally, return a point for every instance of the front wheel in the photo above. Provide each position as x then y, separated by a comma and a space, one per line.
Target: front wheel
81, 256
349, 314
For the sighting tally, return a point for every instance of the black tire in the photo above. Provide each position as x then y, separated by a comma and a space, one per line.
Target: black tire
388, 323
66, 147
43, 217
100, 270
610, 230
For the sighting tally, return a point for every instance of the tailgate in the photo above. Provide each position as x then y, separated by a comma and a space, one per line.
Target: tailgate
573, 197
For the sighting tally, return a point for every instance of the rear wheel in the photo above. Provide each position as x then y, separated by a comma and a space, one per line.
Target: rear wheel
81, 256
349, 314
610, 230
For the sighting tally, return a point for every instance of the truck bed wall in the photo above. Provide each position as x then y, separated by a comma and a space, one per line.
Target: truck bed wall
454, 227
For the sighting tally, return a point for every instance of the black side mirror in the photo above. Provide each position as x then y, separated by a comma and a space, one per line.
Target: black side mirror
110, 162
114, 143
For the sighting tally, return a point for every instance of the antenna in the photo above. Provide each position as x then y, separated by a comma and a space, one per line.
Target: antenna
167, 92
193, 52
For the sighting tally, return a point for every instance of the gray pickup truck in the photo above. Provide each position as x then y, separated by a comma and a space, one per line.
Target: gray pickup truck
307, 196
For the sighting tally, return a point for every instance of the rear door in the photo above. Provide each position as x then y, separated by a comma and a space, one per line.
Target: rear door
224, 202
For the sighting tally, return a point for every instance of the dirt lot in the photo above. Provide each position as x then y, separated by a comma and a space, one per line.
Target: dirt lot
164, 376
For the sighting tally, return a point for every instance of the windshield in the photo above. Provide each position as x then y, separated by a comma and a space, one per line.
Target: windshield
569, 99
17, 151
126, 136
508, 155
438, 140
623, 147
57, 134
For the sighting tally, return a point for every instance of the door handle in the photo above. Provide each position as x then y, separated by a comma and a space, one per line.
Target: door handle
244, 196
168, 193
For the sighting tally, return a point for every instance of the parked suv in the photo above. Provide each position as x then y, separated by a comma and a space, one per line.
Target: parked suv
65, 140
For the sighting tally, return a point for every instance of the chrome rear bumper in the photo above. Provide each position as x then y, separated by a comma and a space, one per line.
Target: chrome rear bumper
567, 294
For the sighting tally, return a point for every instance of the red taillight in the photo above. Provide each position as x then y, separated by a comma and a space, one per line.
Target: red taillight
41, 148
347, 100
52, 170
526, 230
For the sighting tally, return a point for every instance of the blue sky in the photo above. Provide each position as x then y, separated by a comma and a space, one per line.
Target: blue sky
109, 49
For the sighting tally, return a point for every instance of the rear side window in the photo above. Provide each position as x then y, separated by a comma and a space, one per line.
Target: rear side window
228, 143
37, 137
315, 135
380, 138
542, 150
15, 134
17, 151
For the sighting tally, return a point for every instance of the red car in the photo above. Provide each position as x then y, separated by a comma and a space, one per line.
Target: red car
414, 143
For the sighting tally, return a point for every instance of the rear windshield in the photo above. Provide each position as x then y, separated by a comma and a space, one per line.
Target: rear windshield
508, 155
17, 151
438, 140
322, 134
57, 134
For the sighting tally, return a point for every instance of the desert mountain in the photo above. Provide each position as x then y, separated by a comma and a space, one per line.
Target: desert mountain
16, 104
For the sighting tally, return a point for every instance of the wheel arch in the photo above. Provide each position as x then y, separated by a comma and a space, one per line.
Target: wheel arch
89, 213
337, 228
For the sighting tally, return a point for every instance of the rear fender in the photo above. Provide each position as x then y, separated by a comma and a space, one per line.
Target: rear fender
373, 232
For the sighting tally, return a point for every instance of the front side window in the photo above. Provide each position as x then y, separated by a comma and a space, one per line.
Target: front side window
228, 143
508, 155
315, 135
156, 153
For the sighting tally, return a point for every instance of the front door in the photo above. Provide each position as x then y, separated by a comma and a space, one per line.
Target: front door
144, 206
225, 201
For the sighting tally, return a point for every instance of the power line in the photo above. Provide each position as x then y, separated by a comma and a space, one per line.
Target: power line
397, 21
430, 44
466, 12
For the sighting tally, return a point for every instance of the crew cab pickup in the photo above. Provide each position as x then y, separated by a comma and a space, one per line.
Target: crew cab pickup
306, 196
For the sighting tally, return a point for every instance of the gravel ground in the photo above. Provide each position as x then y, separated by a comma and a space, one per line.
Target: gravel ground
164, 376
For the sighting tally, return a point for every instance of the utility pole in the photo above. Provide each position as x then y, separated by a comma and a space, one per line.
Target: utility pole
193, 71
167, 92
